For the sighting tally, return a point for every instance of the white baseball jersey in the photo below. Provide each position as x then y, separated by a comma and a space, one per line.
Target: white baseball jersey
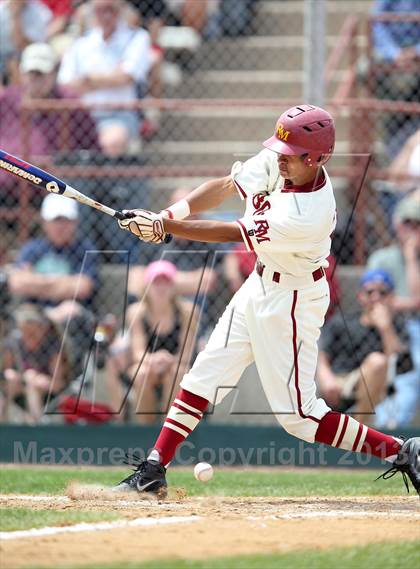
275, 318
288, 227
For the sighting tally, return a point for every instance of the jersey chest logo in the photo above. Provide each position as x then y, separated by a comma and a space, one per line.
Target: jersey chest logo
261, 205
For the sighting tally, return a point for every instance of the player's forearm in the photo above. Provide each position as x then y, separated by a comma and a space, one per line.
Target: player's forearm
204, 230
211, 194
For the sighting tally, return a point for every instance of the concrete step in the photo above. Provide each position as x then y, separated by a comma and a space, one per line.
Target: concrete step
218, 124
246, 85
242, 54
217, 153
287, 17
260, 53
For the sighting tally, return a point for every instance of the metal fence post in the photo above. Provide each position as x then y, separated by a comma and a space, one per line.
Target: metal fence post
314, 54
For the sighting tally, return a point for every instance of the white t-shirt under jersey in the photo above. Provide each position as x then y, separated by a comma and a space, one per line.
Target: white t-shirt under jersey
288, 227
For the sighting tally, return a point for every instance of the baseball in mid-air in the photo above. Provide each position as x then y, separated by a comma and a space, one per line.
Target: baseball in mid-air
203, 471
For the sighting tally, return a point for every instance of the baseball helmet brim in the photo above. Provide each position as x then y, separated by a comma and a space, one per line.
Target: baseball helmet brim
276, 145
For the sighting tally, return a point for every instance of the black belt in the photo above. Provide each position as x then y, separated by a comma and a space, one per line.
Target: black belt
259, 267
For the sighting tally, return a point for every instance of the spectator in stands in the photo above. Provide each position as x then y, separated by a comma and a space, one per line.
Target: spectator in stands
151, 14
236, 18
407, 162
188, 13
61, 11
402, 261
59, 271
355, 353
198, 268
56, 267
398, 44
105, 66
17, 30
36, 364
43, 133
404, 173
160, 337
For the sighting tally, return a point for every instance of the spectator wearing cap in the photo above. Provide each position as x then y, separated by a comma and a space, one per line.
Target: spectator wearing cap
198, 268
36, 364
148, 362
105, 66
356, 351
401, 258
43, 133
58, 267
60, 272
17, 30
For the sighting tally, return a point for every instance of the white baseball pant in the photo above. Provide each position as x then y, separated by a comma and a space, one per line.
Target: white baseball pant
278, 326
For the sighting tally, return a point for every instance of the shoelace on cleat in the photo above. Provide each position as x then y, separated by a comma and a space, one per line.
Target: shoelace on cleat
392, 472
134, 461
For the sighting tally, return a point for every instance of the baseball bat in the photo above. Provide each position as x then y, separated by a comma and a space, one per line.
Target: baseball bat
42, 179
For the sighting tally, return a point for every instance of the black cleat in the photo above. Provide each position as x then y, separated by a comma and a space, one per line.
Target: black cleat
408, 463
148, 476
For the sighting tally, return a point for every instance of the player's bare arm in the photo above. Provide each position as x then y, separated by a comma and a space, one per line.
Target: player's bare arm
207, 196
203, 230
154, 227
211, 194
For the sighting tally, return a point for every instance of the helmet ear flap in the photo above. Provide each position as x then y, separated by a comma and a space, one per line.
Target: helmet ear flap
307, 159
310, 160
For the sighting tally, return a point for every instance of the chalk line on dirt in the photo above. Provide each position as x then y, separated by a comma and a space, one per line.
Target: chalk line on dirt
336, 514
99, 526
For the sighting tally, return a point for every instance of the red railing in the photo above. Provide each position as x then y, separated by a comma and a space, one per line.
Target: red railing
360, 111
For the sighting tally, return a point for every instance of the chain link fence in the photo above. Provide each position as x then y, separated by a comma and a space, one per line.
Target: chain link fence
219, 74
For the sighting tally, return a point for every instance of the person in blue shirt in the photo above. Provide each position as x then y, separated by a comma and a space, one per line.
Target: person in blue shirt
59, 266
59, 272
397, 43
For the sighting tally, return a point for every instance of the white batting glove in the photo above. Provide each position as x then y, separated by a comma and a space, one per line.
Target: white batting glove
145, 225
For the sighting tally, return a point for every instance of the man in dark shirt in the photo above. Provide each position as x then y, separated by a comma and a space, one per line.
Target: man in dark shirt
355, 351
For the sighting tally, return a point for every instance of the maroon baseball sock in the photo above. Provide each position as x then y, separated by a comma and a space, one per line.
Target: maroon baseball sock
342, 431
184, 415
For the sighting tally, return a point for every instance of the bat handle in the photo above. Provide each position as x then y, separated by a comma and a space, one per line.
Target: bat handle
120, 215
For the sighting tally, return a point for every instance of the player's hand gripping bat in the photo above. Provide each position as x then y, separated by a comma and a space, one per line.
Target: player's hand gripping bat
41, 179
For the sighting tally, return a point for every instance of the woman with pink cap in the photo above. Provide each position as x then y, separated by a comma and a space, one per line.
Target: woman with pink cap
147, 364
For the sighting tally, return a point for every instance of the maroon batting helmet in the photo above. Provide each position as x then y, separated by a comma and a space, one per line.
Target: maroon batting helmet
304, 130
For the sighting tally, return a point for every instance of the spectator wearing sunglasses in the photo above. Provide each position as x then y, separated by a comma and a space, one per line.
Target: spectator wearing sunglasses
358, 351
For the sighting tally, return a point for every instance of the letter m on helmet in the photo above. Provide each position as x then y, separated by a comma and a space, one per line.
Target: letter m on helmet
281, 133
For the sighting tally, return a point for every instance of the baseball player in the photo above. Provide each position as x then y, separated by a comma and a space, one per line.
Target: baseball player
275, 318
